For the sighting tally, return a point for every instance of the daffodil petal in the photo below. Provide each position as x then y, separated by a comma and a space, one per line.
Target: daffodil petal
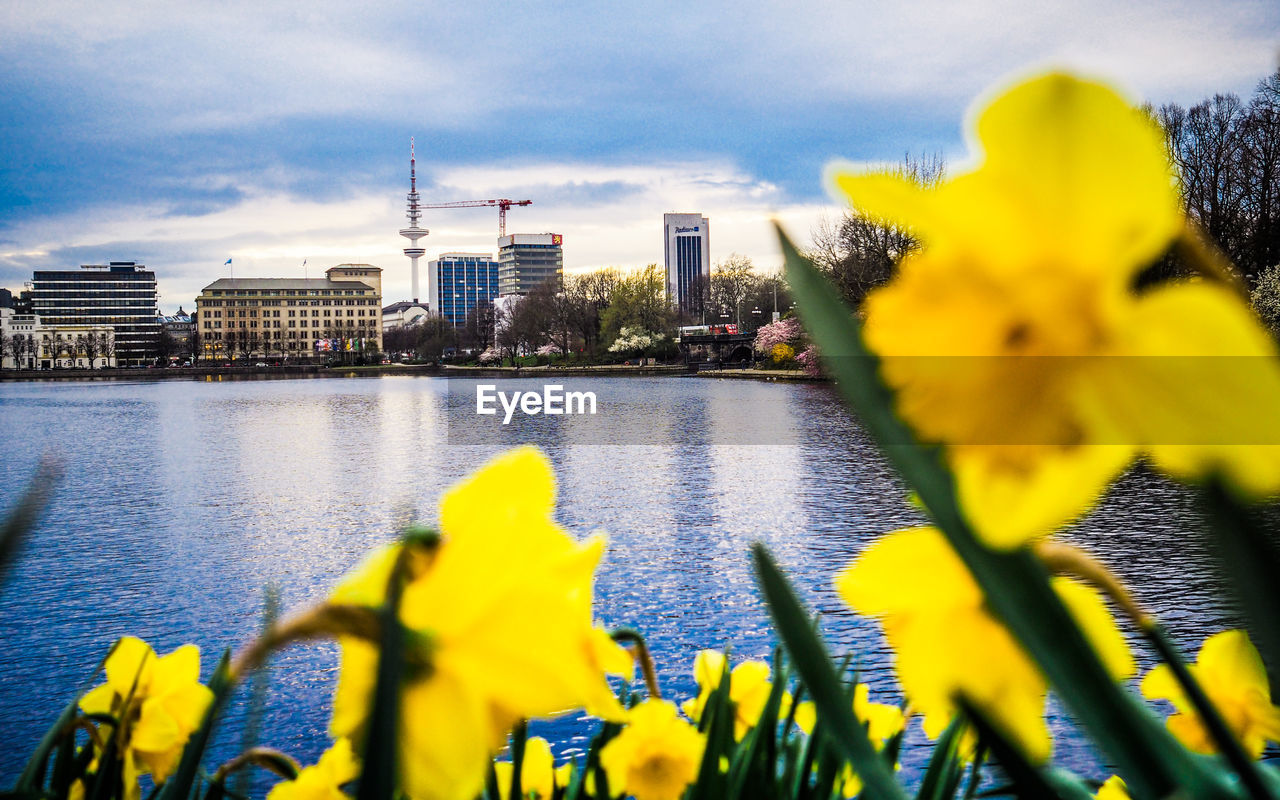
1200, 388
1089, 166
1097, 624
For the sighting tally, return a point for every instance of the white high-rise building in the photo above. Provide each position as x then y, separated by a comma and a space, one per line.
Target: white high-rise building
687, 242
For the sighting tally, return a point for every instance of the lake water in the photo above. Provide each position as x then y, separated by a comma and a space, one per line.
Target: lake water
182, 500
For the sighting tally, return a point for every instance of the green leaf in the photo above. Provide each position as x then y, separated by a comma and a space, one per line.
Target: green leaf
1249, 560
518, 738
847, 734
717, 723
942, 776
1228, 745
24, 515
33, 773
183, 781
382, 731
1015, 584
754, 771
1028, 780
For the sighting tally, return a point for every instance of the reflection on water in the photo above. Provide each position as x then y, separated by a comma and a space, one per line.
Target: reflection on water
182, 501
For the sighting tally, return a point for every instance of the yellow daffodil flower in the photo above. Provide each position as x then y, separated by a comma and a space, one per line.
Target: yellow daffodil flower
1231, 674
749, 688
656, 756
1114, 788
1014, 337
538, 775
503, 604
324, 779
882, 721
159, 702
946, 642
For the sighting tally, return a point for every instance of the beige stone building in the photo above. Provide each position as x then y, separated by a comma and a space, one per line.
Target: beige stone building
277, 319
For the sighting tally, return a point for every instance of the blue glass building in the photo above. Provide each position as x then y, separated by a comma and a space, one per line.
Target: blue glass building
458, 282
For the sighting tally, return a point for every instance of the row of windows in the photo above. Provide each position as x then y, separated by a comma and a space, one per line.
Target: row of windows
242, 333
39, 283
202, 303
286, 292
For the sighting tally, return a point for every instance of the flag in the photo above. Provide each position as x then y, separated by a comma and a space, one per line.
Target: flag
304, 262
228, 262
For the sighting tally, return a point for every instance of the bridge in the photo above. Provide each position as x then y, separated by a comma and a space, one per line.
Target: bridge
715, 350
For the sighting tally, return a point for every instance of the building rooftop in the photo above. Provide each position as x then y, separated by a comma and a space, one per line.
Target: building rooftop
402, 305
277, 284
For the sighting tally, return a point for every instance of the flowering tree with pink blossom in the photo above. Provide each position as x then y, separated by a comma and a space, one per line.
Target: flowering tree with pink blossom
785, 331
810, 362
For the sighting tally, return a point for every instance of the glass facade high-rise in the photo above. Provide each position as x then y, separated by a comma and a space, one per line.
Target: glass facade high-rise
687, 244
458, 282
528, 260
121, 294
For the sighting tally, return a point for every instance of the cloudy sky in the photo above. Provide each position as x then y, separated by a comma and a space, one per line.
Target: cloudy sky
182, 135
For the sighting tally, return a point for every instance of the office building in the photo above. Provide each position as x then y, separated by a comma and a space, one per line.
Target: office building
120, 294
458, 282
528, 260
687, 244
292, 318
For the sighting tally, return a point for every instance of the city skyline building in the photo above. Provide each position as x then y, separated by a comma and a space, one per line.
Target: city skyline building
458, 282
292, 317
529, 260
687, 249
119, 294
413, 233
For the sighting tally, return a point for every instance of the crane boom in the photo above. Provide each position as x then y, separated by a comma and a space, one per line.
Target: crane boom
503, 206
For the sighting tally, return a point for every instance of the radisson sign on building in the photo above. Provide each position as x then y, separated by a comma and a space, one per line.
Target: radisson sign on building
687, 240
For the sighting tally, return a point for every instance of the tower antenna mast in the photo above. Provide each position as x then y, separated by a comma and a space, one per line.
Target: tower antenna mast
413, 233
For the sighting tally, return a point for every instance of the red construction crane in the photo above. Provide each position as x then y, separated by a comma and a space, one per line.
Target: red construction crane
503, 205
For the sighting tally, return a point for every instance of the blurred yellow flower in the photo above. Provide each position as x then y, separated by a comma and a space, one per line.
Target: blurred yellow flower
782, 352
1014, 337
538, 775
946, 642
882, 721
1233, 677
503, 604
749, 688
159, 702
656, 756
1113, 788
323, 780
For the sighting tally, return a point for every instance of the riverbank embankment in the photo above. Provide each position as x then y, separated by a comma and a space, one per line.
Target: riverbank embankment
449, 370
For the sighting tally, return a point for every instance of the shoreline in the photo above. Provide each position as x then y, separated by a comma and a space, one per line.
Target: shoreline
446, 371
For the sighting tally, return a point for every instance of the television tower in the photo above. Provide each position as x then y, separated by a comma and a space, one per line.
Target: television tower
413, 233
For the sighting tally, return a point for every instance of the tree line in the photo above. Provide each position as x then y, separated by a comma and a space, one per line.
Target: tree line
585, 316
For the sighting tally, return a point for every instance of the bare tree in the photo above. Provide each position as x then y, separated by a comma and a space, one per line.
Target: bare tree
91, 345
477, 332
731, 281
861, 252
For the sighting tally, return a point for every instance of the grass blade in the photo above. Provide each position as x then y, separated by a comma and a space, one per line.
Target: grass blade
810, 659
